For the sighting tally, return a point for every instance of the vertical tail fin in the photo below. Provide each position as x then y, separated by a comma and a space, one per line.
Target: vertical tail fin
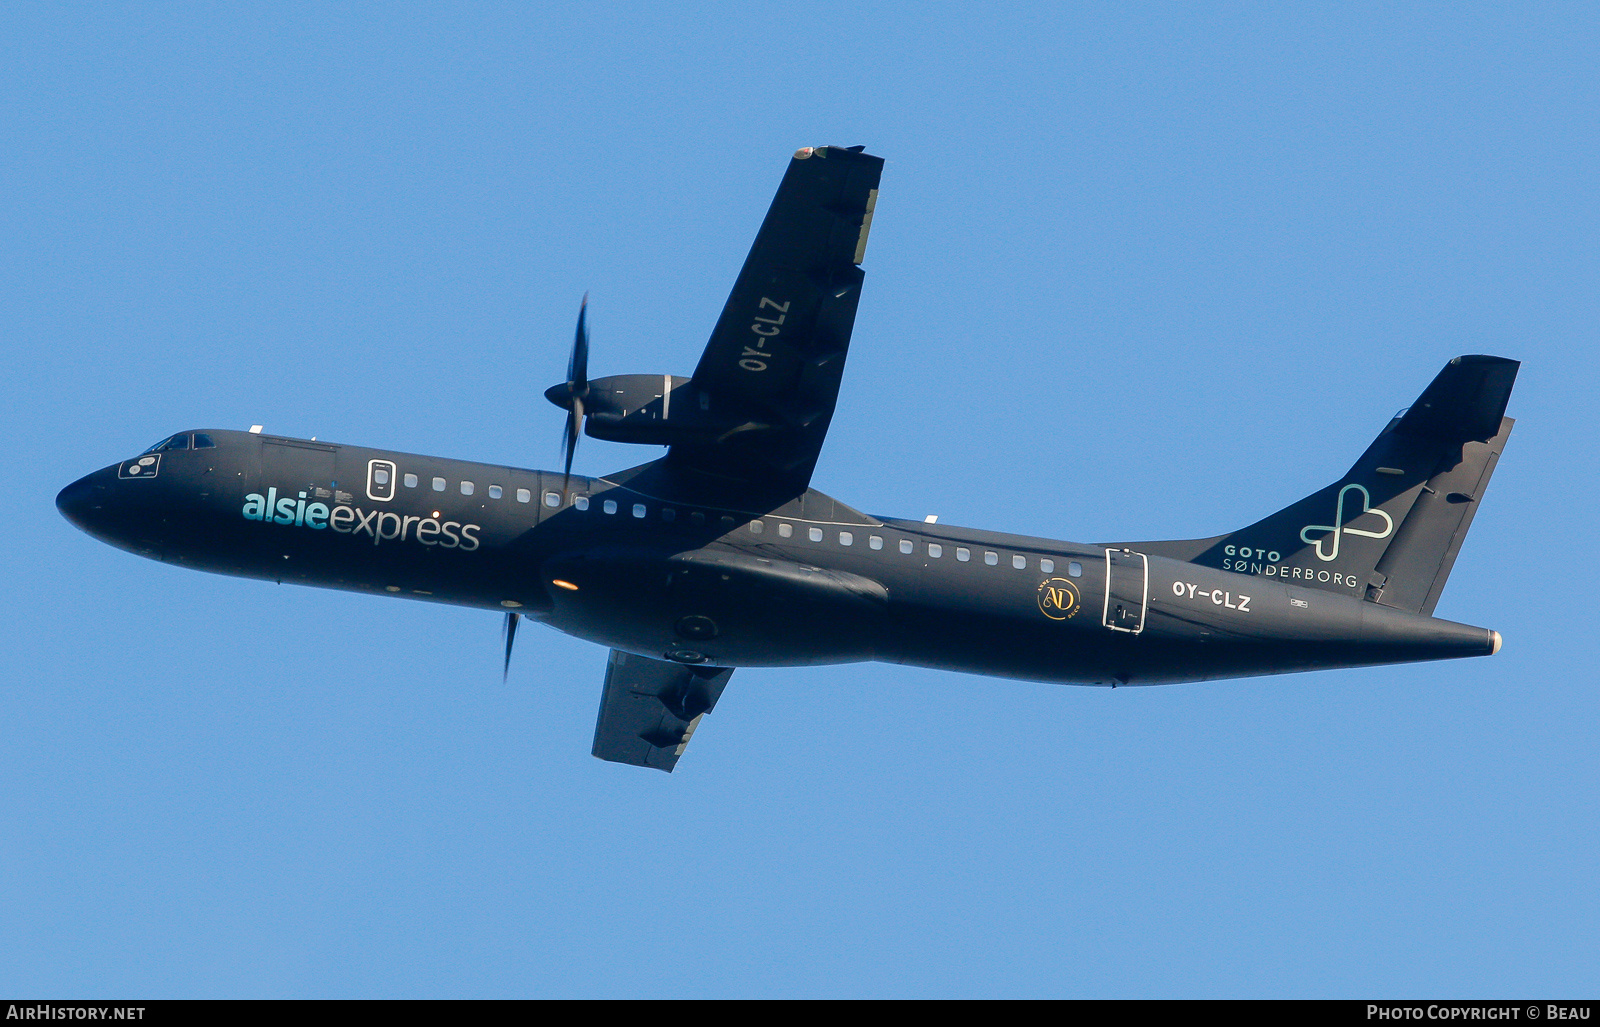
1390, 529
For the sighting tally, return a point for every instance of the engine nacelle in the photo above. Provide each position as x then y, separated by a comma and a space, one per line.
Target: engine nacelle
653, 409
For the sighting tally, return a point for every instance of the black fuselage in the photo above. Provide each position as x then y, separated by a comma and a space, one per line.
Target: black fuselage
810, 581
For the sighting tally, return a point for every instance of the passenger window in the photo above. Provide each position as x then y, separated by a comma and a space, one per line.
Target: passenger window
495, 492
874, 541
846, 539
727, 523
991, 558
466, 488
553, 500
609, 506
815, 534
963, 553
1020, 562
1047, 566
697, 518
438, 484
756, 527
935, 550
906, 545
380, 476
581, 502
411, 481
784, 531
203, 441
524, 496
638, 510
1075, 569
669, 514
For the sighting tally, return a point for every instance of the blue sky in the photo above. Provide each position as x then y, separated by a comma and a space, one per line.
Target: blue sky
1135, 273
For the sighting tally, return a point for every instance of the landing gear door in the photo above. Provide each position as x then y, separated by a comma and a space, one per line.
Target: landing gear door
1127, 590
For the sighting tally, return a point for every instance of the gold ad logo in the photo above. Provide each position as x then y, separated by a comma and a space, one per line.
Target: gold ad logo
1058, 598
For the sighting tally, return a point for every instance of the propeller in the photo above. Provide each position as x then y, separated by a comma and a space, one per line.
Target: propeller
510, 631
570, 395
577, 388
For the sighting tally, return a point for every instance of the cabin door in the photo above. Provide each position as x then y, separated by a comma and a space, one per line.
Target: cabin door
1127, 590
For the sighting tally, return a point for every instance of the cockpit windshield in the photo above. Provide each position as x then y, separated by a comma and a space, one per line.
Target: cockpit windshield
167, 445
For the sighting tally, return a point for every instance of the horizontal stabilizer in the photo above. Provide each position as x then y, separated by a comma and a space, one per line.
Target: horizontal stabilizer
1465, 402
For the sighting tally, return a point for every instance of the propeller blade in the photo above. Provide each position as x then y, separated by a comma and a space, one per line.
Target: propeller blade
569, 437
578, 365
577, 387
510, 630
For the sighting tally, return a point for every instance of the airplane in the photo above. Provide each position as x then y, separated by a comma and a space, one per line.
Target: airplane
720, 554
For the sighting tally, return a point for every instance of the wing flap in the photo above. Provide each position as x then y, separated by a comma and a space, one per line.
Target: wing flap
649, 709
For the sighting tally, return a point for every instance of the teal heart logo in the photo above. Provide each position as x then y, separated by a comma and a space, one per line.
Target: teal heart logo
1338, 529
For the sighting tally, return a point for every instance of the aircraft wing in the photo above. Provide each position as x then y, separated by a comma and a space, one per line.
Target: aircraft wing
650, 708
772, 367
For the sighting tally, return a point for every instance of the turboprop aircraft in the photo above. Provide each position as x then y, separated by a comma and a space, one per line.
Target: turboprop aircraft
719, 554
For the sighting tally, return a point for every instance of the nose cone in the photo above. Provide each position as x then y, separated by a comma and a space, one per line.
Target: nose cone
80, 501
130, 519
93, 504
